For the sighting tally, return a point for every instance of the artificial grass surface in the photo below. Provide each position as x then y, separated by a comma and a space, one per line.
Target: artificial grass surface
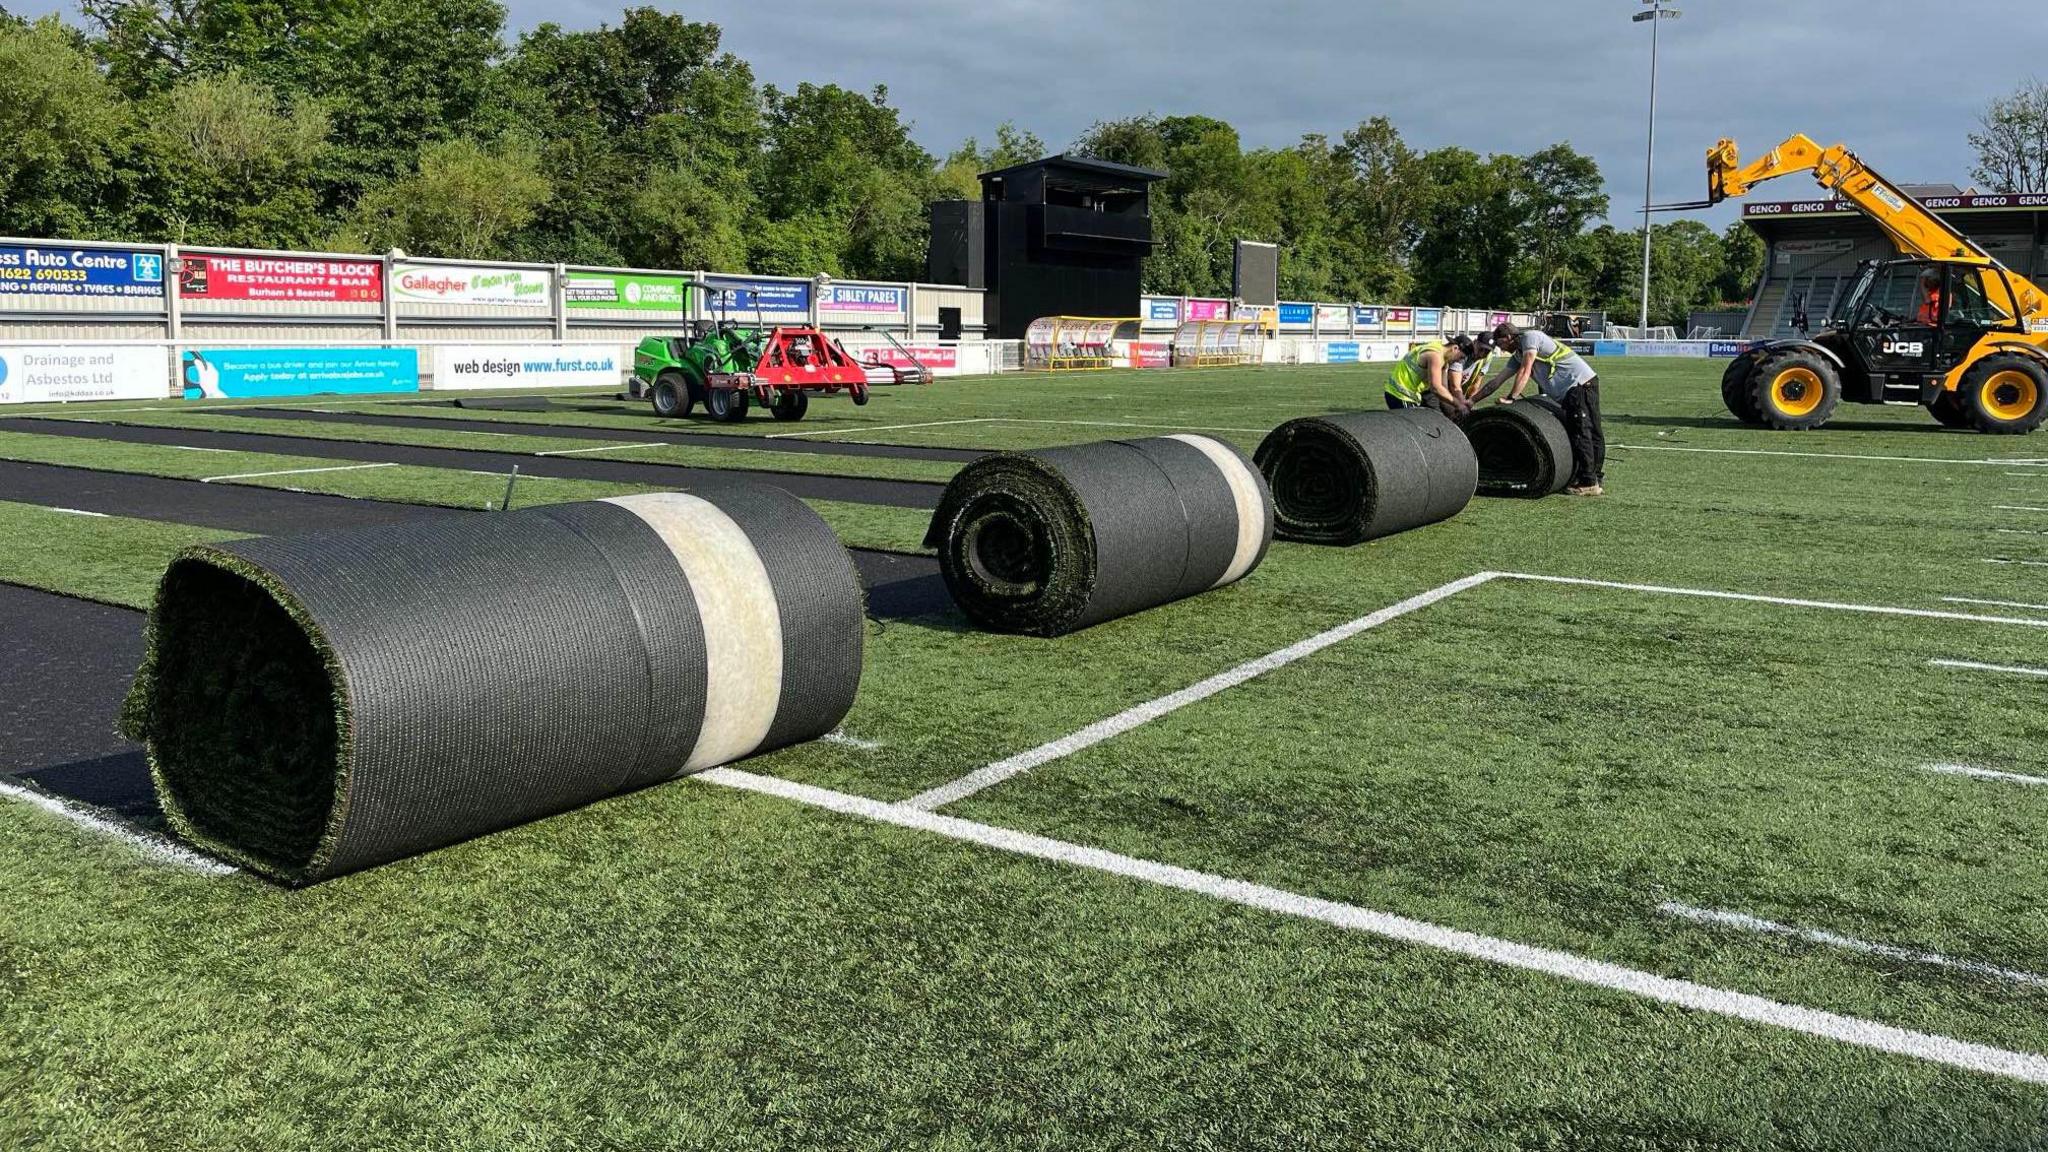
111, 559
687, 967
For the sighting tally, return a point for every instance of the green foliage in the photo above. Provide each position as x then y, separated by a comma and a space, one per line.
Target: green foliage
2012, 143
373, 123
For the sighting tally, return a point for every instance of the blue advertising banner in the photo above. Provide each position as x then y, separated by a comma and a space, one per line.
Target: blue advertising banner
757, 295
1298, 314
1341, 352
233, 372
34, 270
1368, 316
1727, 349
1609, 348
862, 298
1428, 317
1167, 310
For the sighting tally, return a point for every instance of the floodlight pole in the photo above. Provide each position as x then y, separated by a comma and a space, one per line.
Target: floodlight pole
1656, 13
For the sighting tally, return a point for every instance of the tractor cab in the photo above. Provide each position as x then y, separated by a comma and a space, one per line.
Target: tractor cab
1907, 325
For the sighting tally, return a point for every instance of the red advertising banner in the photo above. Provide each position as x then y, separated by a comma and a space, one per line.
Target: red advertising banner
221, 276
933, 356
1151, 355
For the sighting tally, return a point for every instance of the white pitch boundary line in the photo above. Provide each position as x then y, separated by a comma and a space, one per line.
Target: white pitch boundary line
299, 471
1149, 711
2017, 508
1983, 773
78, 512
883, 428
1963, 1054
1748, 923
1995, 603
2019, 532
1833, 456
599, 448
1152, 710
195, 448
1786, 601
1972, 666
154, 847
838, 737
2021, 563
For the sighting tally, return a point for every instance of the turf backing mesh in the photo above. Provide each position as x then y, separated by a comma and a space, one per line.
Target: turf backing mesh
1355, 476
1055, 540
319, 704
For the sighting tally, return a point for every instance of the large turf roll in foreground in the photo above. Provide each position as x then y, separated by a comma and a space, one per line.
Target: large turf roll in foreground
1522, 448
1058, 539
315, 705
1361, 475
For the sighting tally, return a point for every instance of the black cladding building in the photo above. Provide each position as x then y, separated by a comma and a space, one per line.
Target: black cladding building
1062, 236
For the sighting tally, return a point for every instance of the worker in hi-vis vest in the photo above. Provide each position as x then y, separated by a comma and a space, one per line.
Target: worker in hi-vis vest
1564, 376
1469, 375
1422, 378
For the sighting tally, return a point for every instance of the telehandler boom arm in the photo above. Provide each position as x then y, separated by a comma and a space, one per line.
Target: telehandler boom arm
1912, 228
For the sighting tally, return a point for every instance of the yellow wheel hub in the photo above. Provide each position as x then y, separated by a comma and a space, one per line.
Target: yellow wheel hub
1797, 391
2011, 395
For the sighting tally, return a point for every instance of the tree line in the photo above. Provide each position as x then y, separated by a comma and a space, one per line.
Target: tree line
414, 124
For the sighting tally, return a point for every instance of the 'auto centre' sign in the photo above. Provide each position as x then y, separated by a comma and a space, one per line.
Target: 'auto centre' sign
1938, 203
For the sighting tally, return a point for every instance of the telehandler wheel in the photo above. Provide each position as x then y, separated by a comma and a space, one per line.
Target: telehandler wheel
671, 395
1735, 390
2005, 393
1947, 408
1795, 390
726, 405
790, 404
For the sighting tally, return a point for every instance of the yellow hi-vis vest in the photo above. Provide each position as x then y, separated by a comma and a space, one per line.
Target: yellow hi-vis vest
1408, 381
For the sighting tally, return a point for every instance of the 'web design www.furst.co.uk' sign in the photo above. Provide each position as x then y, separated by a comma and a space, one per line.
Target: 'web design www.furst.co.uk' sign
35, 270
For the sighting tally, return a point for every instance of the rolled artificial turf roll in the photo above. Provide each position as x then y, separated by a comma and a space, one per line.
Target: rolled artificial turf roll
1522, 448
319, 704
1054, 540
1356, 476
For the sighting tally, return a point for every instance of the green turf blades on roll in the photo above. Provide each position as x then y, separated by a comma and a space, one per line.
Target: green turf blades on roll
1522, 448
320, 704
1059, 539
1355, 476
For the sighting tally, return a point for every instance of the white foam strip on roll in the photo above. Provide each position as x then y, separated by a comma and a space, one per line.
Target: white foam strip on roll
1244, 491
742, 626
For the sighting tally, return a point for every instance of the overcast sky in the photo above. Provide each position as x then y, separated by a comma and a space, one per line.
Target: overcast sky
1901, 82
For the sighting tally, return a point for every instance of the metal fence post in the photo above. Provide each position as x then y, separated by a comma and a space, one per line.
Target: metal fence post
559, 301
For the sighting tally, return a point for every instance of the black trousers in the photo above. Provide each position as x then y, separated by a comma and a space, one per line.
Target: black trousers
1429, 400
1589, 440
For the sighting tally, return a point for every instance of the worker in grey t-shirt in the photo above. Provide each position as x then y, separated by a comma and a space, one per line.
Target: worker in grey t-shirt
1564, 376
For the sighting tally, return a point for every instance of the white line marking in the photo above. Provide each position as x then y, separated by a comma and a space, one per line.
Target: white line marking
1749, 923
1972, 666
80, 512
298, 471
1152, 710
2028, 475
1126, 424
2025, 1066
1983, 773
599, 448
194, 448
2018, 532
2021, 563
1827, 455
1827, 605
153, 846
2017, 508
883, 428
523, 476
837, 737
1995, 603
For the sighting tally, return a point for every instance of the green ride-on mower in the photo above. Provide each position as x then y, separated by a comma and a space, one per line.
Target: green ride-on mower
728, 368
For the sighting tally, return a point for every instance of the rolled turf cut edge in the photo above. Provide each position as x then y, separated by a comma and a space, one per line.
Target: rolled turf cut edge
1350, 477
1522, 448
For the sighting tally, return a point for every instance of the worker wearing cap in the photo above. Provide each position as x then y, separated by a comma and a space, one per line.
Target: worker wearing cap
1423, 378
1471, 375
1564, 376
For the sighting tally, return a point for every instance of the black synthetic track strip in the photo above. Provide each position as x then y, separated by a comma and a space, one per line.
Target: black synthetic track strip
231, 507
737, 443
885, 493
64, 667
